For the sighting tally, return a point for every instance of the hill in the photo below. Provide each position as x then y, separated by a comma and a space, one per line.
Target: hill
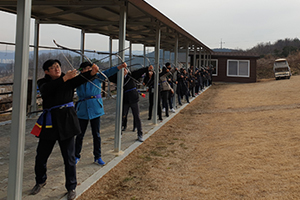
287, 48
280, 48
265, 65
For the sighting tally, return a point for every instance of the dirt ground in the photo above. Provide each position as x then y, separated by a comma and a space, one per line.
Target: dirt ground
235, 141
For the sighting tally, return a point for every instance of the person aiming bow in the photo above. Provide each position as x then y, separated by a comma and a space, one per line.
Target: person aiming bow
131, 97
58, 122
90, 107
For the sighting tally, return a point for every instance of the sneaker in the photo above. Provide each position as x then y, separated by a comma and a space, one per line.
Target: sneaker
172, 110
163, 110
71, 194
140, 139
99, 161
77, 160
37, 188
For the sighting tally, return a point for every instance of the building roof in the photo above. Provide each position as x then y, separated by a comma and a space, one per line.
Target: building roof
234, 54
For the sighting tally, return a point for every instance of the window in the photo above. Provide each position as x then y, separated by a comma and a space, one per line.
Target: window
214, 65
238, 68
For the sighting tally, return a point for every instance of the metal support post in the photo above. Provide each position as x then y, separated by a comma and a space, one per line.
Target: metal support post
176, 65
82, 45
130, 53
156, 69
110, 51
200, 58
120, 79
110, 65
163, 58
17, 138
194, 60
35, 65
204, 59
187, 56
144, 53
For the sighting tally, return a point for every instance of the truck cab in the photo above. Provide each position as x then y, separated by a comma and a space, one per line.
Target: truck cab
281, 69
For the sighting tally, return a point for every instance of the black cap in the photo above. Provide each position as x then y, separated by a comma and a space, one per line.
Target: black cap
167, 64
49, 63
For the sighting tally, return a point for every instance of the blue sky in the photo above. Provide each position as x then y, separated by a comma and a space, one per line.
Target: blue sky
239, 24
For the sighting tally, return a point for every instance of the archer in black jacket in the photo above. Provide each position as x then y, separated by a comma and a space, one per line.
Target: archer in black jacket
149, 82
57, 91
131, 97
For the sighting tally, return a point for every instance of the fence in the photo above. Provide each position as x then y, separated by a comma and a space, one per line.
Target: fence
8, 94
29, 94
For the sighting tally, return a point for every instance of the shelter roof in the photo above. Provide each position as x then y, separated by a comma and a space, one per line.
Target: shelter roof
102, 16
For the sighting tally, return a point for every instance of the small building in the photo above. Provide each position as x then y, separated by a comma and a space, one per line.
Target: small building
237, 67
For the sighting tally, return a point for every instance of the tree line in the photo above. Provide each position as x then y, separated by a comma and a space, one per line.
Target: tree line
280, 48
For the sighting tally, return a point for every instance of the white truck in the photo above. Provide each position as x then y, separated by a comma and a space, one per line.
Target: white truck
281, 69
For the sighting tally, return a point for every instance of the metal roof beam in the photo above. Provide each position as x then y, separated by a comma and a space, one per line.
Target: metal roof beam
64, 12
81, 23
138, 19
65, 3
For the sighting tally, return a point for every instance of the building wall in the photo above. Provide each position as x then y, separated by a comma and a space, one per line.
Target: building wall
222, 71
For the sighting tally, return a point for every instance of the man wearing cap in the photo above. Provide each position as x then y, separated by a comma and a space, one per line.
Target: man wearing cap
90, 107
58, 122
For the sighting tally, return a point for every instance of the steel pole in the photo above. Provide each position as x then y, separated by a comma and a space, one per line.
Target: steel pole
120, 80
35, 65
17, 139
156, 69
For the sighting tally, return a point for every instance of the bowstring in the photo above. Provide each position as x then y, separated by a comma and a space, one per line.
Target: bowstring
128, 73
83, 76
78, 52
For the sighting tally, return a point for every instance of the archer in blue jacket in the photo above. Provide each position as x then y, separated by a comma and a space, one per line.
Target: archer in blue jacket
90, 107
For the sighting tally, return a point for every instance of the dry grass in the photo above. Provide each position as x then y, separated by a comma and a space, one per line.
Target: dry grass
235, 141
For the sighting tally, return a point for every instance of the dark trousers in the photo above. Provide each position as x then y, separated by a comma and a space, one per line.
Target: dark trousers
151, 101
95, 126
124, 122
186, 94
205, 82
191, 92
170, 99
164, 97
44, 150
197, 88
179, 99
136, 116
201, 83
